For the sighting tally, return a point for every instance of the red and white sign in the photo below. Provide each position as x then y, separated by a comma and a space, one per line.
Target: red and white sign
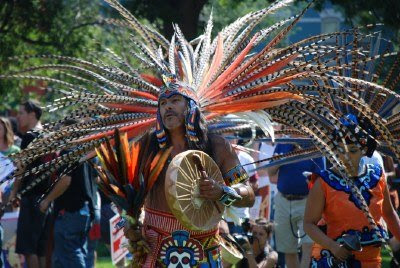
117, 238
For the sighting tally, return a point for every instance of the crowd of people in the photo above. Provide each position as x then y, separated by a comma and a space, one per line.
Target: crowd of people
314, 210
174, 97
78, 214
59, 218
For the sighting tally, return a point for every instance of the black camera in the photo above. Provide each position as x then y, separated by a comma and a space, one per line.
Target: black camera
246, 226
242, 239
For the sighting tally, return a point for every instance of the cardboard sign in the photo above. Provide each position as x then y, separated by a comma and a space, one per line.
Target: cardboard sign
118, 239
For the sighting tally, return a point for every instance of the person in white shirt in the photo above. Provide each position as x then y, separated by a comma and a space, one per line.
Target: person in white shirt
375, 159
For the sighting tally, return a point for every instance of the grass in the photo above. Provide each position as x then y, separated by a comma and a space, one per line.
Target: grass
104, 262
104, 258
385, 258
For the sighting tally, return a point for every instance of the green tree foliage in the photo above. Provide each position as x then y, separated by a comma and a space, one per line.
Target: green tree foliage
227, 11
363, 12
30, 27
163, 13
386, 12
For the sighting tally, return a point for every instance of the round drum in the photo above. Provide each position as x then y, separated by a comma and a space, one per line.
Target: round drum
182, 192
230, 251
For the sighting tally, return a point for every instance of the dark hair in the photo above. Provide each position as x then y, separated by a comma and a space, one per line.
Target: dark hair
14, 124
33, 106
266, 224
200, 127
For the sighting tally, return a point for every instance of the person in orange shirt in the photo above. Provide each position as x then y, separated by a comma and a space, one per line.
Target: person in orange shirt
332, 204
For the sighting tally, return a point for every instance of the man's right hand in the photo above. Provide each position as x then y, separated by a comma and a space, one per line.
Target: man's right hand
340, 252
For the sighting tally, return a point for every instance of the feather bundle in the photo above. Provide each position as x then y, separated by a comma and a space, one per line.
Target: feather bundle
126, 176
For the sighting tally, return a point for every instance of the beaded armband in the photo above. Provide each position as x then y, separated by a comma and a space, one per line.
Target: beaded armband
235, 175
230, 196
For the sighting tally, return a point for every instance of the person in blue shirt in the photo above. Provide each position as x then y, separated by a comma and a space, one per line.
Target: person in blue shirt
290, 204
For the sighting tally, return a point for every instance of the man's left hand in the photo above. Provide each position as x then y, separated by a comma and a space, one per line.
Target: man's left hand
210, 189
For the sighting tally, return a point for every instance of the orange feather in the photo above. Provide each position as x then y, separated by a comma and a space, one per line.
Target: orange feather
211, 116
152, 79
132, 130
244, 105
269, 70
144, 95
228, 109
106, 156
240, 70
146, 168
112, 158
124, 153
105, 188
262, 87
258, 98
117, 190
133, 172
155, 172
214, 65
155, 160
227, 75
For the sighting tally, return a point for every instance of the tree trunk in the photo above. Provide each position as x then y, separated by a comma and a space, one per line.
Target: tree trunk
187, 18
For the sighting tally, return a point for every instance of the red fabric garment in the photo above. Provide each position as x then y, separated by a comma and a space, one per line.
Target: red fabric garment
94, 232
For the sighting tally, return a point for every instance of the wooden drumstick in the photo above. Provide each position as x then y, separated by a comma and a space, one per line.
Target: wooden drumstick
197, 161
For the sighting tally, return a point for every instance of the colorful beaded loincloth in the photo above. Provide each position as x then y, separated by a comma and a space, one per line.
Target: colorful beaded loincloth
172, 245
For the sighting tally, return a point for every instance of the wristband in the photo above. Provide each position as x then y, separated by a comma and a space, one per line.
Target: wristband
229, 196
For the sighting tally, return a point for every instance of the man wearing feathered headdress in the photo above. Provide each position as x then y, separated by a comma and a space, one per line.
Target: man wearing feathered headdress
181, 125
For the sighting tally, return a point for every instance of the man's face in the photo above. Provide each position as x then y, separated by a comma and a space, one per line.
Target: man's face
173, 111
23, 117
